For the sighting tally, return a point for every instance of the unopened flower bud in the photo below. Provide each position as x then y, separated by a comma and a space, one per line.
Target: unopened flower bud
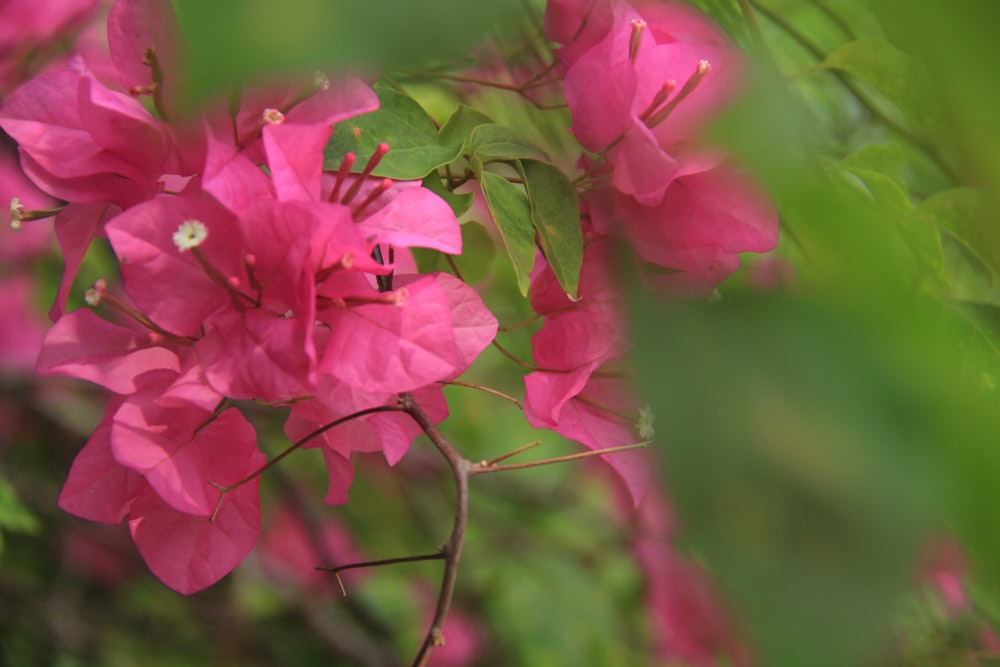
191, 234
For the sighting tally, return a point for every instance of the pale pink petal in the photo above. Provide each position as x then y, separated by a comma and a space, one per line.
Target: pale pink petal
82, 345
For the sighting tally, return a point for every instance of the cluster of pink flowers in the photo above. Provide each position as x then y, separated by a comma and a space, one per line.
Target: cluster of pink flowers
642, 77
248, 272
281, 284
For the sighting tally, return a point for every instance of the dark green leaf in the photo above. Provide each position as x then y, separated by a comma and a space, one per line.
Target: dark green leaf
512, 214
460, 203
496, 142
962, 213
457, 130
890, 71
555, 212
414, 148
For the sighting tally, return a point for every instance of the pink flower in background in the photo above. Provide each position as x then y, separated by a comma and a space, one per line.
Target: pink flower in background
577, 391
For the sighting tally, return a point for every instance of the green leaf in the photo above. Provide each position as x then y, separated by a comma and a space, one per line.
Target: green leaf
478, 252
890, 71
414, 147
511, 212
460, 203
555, 213
962, 213
457, 130
14, 516
893, 206
496, 142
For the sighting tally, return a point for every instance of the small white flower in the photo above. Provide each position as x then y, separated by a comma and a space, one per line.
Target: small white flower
644, 425
16, 213
273, 117
93, 295
715, 297
321, 81
191, 234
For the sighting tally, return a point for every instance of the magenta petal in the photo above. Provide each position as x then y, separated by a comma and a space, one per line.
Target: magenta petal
170, 286
391, 348
344, 98
181, 452
76, 226
474, 325
133, 27
341, 474
117, 124
99, 488
231, 177
416, 218
84, 346
641, 168
295, 159
257, 354
599, 91
188, 552
550, 403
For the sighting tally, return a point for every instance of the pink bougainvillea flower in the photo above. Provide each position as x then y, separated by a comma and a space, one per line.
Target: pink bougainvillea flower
99, 488
643, 91
78, 139
82, 345
388, 432
405, 339
143, 40
576, 391
179, 449
28, 27
187, 552
697, 232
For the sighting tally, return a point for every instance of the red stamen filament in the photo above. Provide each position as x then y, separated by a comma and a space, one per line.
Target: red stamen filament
373, 161
225, 282
376, 192
345, 168
118, 304
668, 87
702, 70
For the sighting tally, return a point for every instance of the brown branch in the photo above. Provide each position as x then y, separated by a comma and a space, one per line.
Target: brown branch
487, 467
452, 549
301, 441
